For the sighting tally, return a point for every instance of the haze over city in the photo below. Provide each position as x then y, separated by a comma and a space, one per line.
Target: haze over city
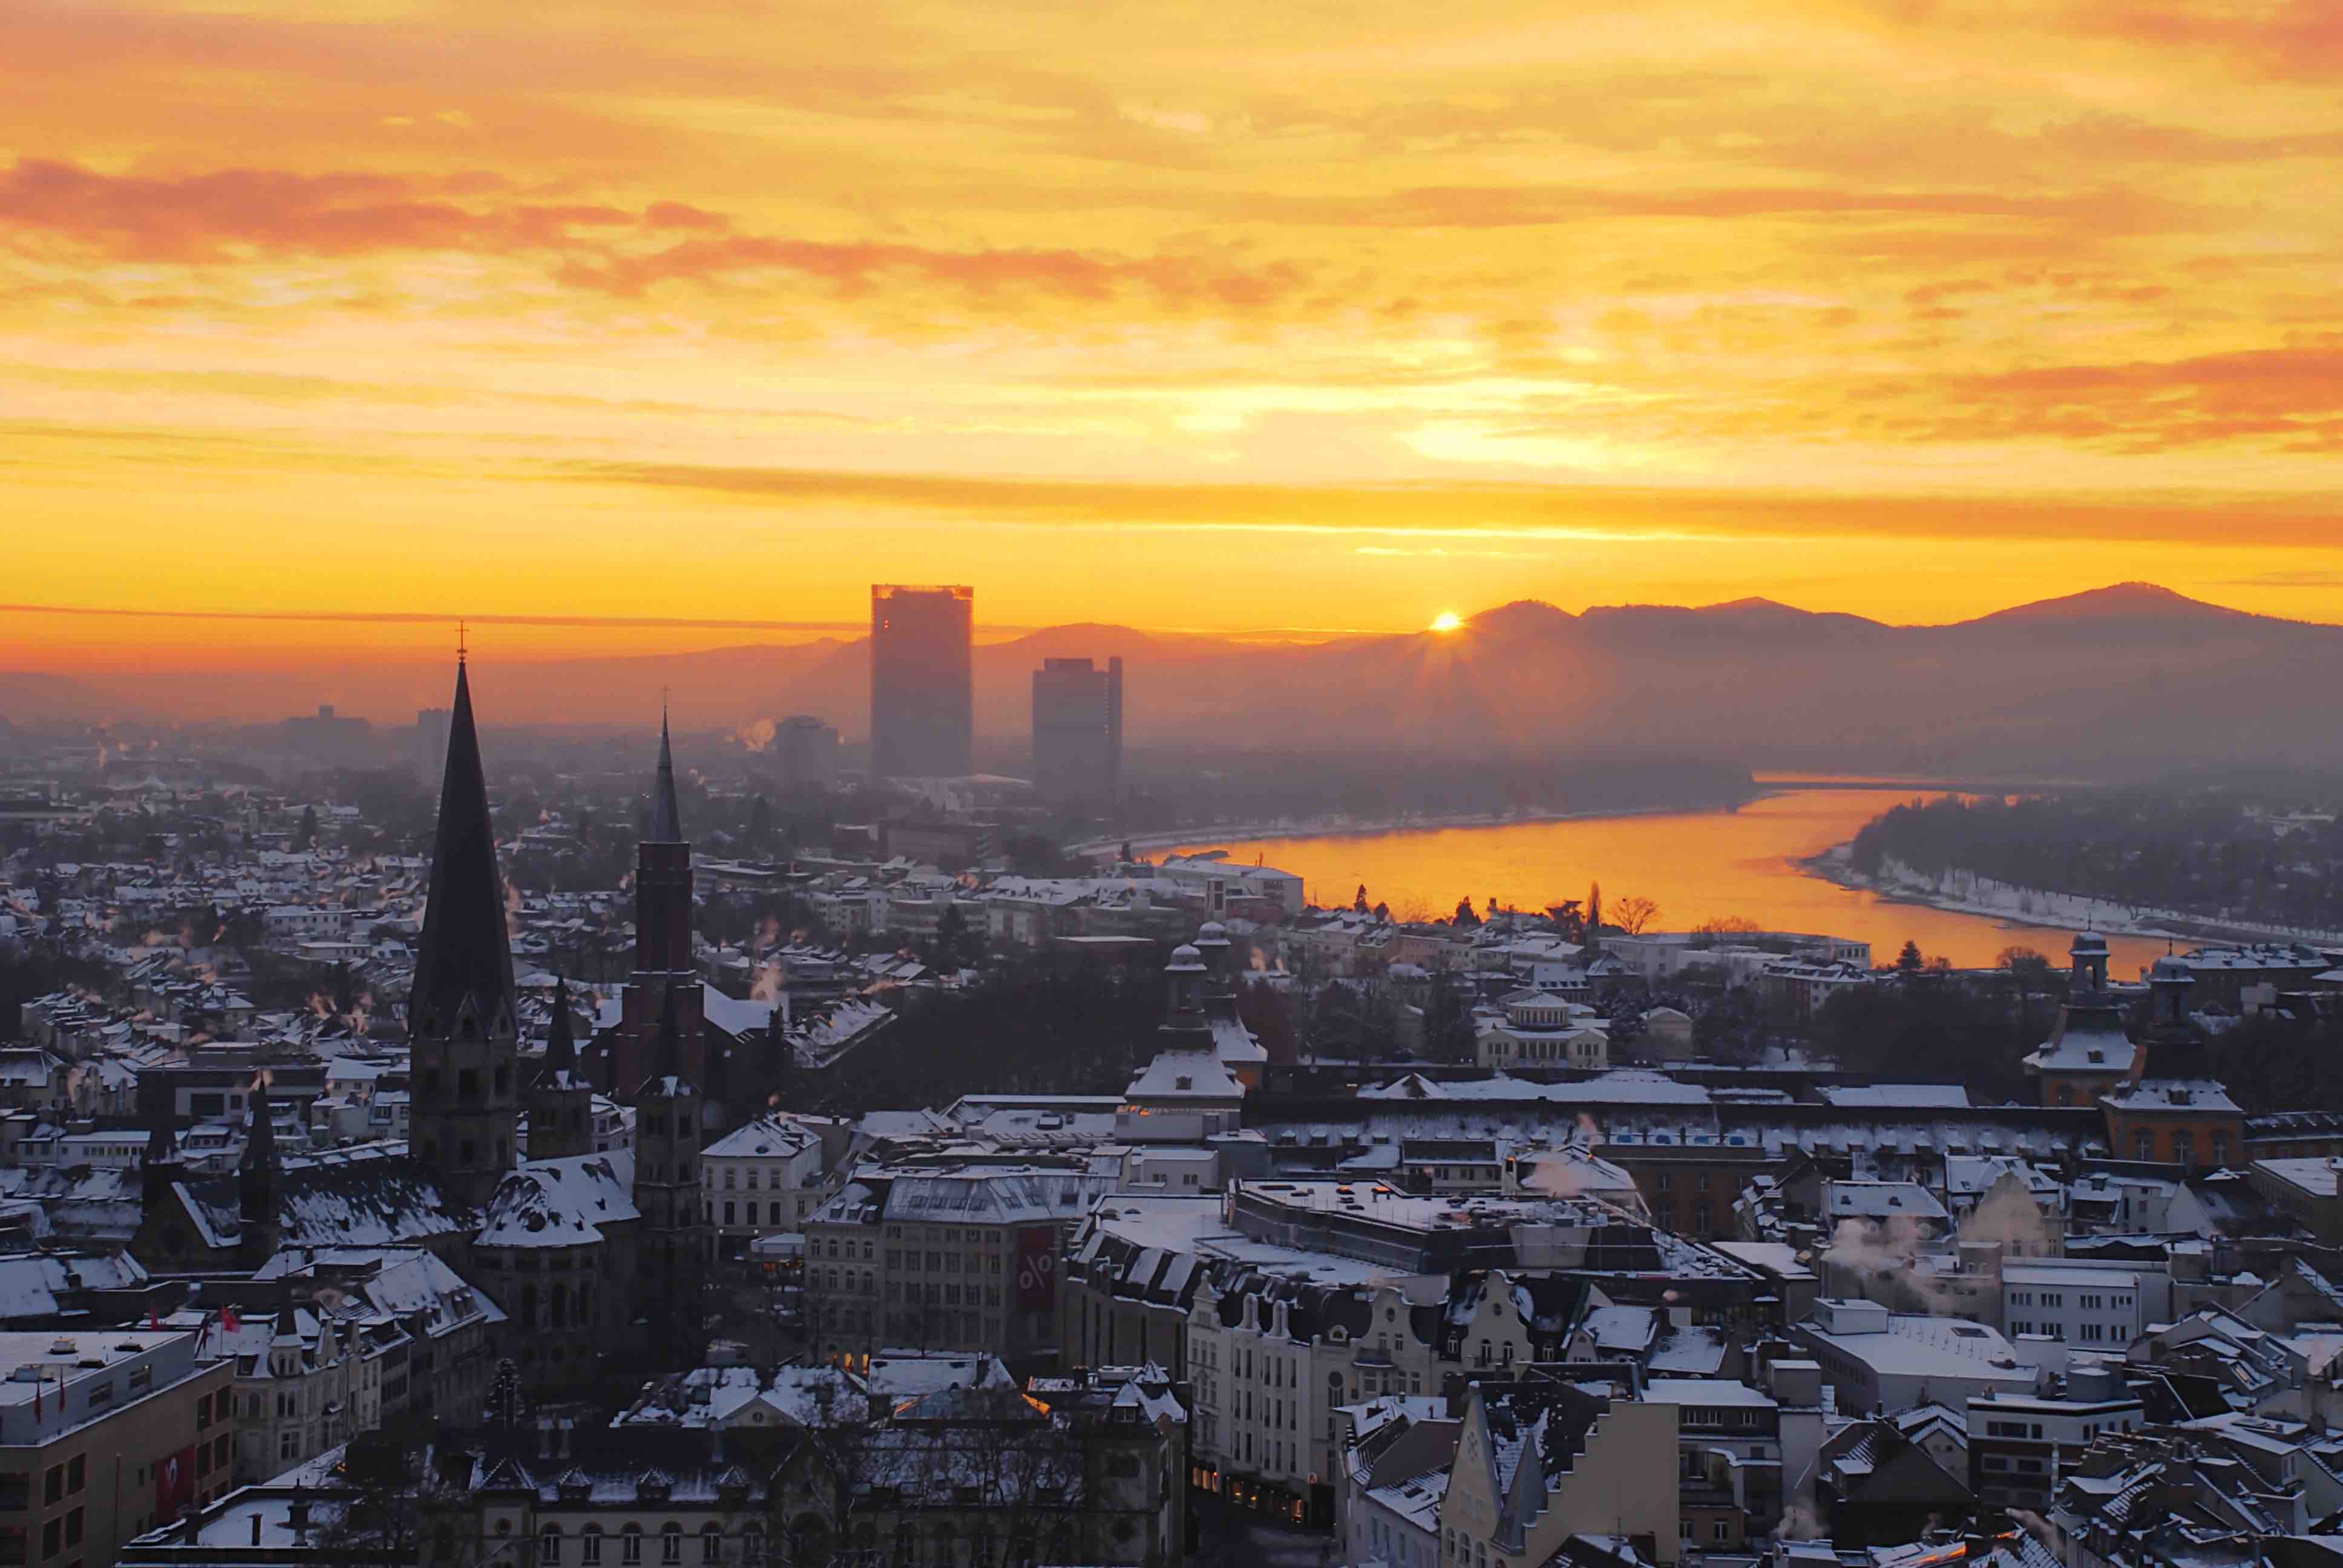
872, 784
713, 312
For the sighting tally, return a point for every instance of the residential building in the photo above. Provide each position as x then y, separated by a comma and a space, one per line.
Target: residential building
1541, 1461
2308, 1189
763, 1178
1729, 1460
2090, 1308
2020, 1444
952, 1258
303, 1385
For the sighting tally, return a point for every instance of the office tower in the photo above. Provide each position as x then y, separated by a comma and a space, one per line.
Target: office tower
1078, 730
805, 752
430, 744
922, 700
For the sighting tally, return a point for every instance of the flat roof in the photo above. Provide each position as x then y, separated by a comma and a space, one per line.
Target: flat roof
1703, 1391
2051, 1274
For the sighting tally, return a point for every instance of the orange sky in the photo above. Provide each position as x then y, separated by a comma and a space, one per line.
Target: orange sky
1283, 316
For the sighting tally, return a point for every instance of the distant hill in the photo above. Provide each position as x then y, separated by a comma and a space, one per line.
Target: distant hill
2120, 680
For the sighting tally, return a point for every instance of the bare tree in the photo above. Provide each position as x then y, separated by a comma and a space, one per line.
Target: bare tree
1631, 914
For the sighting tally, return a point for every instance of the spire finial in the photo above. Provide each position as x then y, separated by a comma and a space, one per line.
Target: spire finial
462, 637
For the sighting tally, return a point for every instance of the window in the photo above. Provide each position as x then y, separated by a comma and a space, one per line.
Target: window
548, 1547
589, 1547
76, 1472
711, 1544
671, 1542
630, 1545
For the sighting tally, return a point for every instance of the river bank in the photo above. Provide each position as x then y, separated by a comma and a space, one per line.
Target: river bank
1966, 893
1744, 861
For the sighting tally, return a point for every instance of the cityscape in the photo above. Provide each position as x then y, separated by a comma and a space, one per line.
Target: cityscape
888, 786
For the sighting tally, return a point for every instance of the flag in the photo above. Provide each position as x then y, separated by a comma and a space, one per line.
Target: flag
229, 1321
153, 1320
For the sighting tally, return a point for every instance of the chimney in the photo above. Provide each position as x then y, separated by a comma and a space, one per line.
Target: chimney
256, 1530
296, 1514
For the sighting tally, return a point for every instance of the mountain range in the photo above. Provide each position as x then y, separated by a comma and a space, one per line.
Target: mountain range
2112, 681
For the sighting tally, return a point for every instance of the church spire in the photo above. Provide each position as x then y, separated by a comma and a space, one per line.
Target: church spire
256, 1208
667, 821
561, 1043
464, 960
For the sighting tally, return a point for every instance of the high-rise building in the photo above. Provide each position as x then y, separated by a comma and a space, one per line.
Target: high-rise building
1078, 730
806, 752
430, 744
923, 689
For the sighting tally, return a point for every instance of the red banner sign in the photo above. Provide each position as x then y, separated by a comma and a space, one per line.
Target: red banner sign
1037, 1268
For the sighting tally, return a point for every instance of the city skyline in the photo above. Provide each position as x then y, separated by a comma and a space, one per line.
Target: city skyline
1911, 312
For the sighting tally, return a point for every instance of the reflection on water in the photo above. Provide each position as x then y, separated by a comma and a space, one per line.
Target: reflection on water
1697, 866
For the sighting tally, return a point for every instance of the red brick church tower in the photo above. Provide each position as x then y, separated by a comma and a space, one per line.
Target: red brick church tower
663, 963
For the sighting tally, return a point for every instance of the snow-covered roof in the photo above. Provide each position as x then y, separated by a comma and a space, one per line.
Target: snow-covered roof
561, 1202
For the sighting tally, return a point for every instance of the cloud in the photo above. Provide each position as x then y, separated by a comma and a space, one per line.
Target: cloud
1429, 515
2301, 579
1073, 274
217, 216
2291, 396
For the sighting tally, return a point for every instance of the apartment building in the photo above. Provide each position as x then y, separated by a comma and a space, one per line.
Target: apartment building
963, 1258
2091, 1308
762, 1179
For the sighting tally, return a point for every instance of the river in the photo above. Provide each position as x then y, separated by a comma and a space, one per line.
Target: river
1695, 864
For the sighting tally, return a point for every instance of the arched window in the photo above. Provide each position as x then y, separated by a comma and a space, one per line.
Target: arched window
907, 1544
670, 1542
630, 1545
548, 1546
711, 1542
753, 1545
810, 1538
589, 1547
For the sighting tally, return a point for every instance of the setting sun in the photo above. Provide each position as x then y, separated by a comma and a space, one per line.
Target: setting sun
1447, 620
